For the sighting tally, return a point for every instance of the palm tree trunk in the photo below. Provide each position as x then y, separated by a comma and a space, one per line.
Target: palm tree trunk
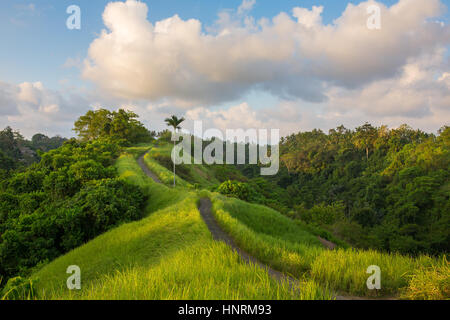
173, 166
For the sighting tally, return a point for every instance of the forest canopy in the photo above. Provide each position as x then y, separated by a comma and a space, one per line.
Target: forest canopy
374, 187
118, 125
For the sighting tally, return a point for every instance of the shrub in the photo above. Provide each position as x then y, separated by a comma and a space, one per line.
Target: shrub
235, 189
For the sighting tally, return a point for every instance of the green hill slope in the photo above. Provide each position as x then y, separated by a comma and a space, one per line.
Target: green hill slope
170, 254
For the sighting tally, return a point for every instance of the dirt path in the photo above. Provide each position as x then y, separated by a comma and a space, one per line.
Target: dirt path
219, 235
146, 170
328, 244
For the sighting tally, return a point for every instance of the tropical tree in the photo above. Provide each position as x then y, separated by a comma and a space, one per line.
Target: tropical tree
120, 125
174, 122
365, 137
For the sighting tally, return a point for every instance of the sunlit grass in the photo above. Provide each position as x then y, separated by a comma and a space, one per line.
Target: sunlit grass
168, 255
206, 270
275, 241
165, 175
429, 282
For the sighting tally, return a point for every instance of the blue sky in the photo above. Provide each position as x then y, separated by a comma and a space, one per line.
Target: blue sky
43, 82
38, 43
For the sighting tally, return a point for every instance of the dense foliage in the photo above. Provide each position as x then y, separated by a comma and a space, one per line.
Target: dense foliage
63, 201
118, 125
237, 189
375, 187
16, 151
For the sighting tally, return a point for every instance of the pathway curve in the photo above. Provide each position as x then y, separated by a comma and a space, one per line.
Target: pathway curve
219, 235
146, 170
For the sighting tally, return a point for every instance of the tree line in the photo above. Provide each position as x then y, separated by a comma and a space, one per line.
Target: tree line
16, 151
373, 186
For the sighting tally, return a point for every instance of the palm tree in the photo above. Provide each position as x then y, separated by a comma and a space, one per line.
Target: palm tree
174, 122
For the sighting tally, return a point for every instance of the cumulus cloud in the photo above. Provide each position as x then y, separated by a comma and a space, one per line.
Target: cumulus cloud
309, 18
421, 90
418, 95
287, 116
290, 56
32, 108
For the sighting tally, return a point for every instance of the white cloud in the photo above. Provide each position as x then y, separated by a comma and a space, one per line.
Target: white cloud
32, 108
287, 116
8, 94
246, 6
421, 90
291, 57
309, 18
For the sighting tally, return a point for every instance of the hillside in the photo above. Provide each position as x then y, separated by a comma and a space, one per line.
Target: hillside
154, 258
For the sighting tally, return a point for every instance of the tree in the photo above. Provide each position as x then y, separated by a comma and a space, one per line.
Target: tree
9, 143
120, 125
174, 122
365, 137
93, 124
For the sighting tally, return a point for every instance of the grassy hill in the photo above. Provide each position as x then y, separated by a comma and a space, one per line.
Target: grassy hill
170, 254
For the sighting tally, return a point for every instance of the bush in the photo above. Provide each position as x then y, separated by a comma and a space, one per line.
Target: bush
236, 189
59, 227
25, 182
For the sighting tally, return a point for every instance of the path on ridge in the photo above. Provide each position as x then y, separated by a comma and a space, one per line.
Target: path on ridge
219, 235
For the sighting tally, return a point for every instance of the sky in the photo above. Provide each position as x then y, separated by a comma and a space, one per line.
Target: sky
288, 65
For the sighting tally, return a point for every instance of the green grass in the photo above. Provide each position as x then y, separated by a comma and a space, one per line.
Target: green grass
160, 196
266, 234
204, 270
165, 175
429, 282
170, 254
275, 240
203, 176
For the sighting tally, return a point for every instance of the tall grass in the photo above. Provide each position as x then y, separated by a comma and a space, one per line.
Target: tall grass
160, 196
268, 236
205, 270
135, 244
429, 283
170, 254
165, 175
